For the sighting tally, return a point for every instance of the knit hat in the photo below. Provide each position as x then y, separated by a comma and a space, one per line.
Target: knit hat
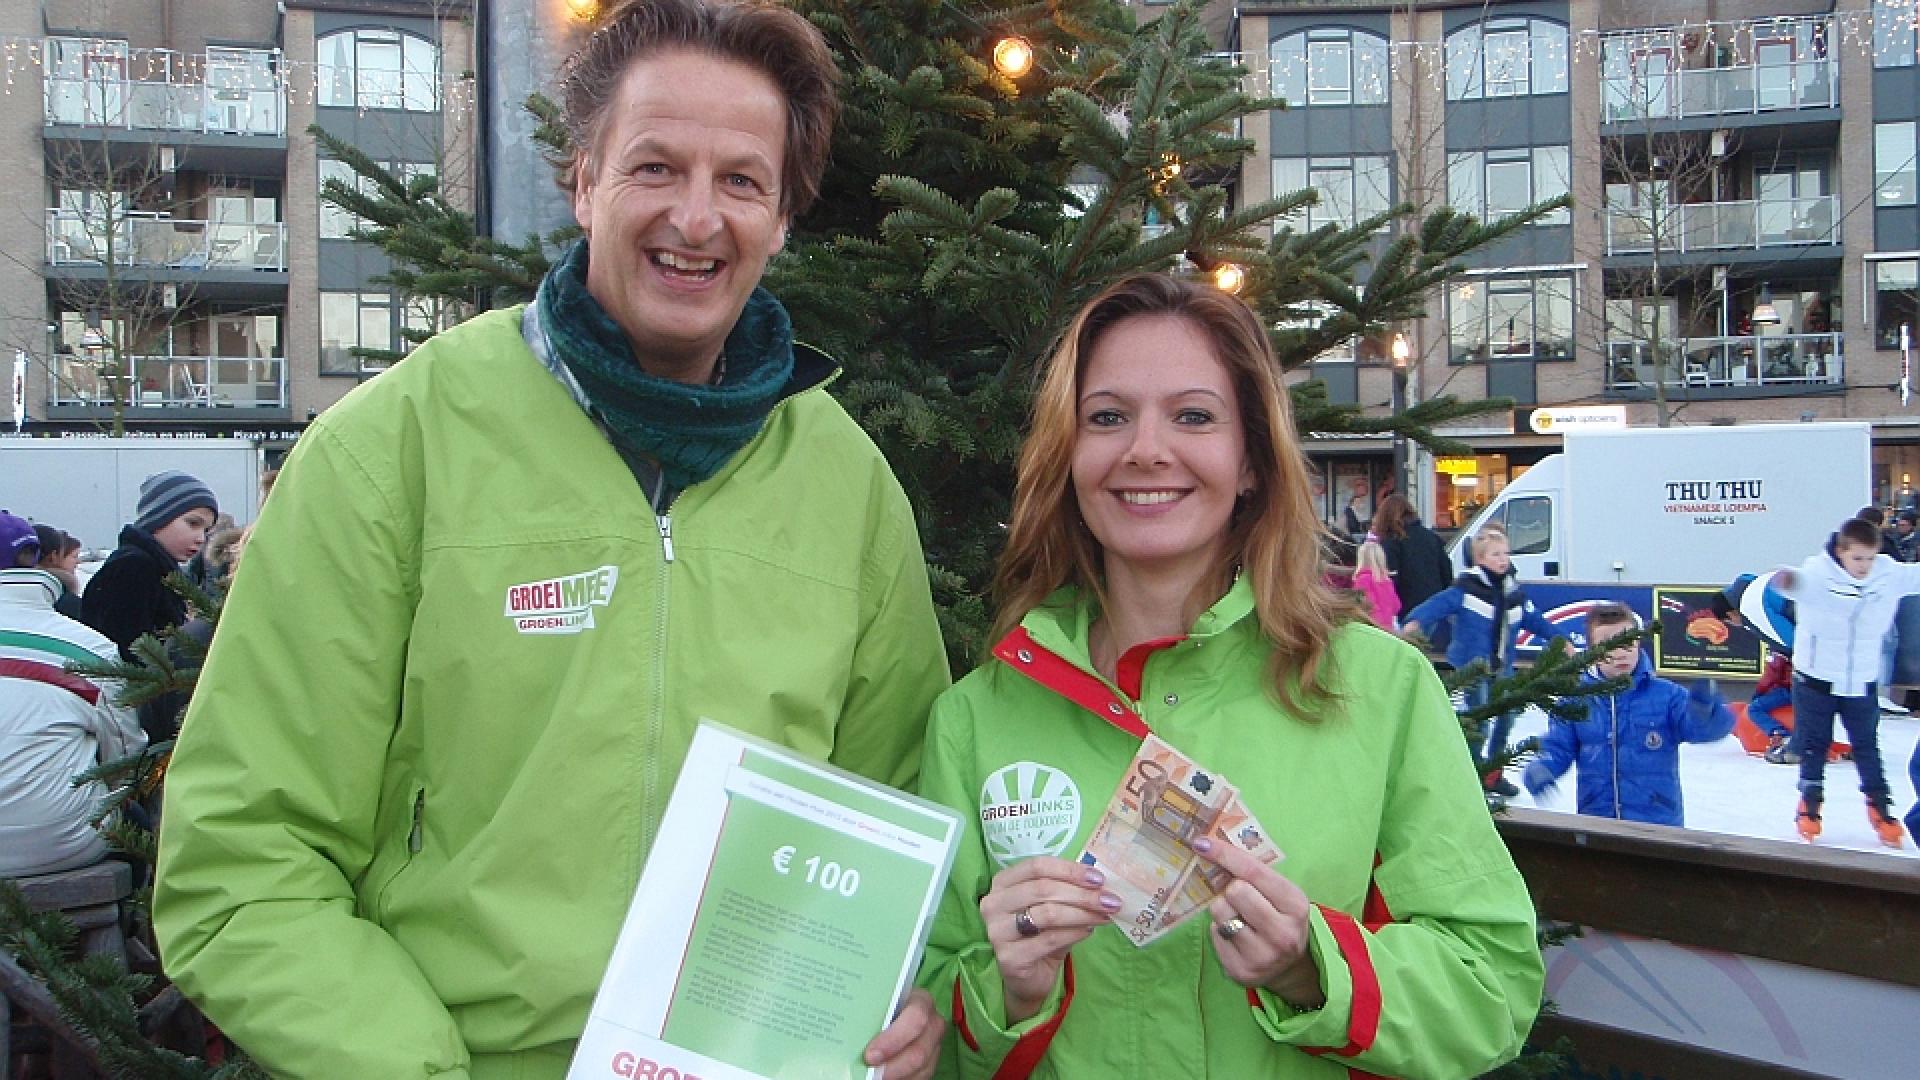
16, 535
165, 496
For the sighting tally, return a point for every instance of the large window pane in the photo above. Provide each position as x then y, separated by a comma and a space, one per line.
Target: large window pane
1463, 64
1372, 186
1551, 177
1371, 78
1894, 282
1465, 184
1553, 317
1333, 178
1289, 176
1467, 323
339, 332
1893, 33
335, 223
1508, 63
1509, 187
1893, 172
422, 90
1329, 73
1510, 318
379, 82
1288, 60
336, 70
1548, 44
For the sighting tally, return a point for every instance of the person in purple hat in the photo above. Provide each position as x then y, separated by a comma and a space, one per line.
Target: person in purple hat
19, 544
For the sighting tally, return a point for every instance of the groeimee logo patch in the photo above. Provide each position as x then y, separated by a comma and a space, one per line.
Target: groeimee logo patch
1028, 809
562, 605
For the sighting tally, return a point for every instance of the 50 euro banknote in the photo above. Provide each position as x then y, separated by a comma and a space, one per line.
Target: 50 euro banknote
1143, 842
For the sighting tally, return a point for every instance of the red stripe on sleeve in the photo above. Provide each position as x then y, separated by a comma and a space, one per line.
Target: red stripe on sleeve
960, 1017
1026, 1054
52, 676
1364, 1022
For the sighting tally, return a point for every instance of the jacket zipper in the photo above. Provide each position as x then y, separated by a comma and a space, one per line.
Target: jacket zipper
656, 720
1613, 739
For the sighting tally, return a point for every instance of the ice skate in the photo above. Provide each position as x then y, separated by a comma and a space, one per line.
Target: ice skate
1880, 817
1807, 818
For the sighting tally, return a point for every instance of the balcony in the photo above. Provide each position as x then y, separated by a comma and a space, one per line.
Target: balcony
137, 238
174, 382
1763, 364
1721, 92
1724, 226
103, 83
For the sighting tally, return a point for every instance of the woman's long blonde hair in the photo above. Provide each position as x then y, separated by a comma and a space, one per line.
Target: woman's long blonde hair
1273, 537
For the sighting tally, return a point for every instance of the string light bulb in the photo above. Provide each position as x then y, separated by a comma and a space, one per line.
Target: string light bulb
1013, 56
1229, 277
584, 10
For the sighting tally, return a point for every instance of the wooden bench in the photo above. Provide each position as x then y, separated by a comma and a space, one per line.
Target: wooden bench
90, 898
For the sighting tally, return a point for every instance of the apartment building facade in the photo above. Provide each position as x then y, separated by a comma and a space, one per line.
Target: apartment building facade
170, 263
1743, 239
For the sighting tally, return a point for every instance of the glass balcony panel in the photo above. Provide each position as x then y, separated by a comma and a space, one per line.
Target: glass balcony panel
172, 381
1754, 360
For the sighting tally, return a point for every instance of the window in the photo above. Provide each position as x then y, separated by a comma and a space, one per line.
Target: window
1506, 58
378, 69
1893, 146
1495, 183
350, 320
1312, 314
1893, 32
1351, 189
337, 223
1511, 318
1529, 522
1894, 304
1330, 66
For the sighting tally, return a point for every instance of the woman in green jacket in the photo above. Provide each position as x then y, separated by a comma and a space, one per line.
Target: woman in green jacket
1162, 574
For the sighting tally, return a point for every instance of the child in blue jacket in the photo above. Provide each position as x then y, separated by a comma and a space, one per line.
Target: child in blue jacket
1628, 744
1488, 609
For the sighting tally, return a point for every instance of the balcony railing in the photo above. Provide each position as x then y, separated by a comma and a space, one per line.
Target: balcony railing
1802, 360
75, 238
1725, 225
1803, 84
97, 83
245, 382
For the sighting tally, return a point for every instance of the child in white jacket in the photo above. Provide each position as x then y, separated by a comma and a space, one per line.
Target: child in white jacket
1846, 598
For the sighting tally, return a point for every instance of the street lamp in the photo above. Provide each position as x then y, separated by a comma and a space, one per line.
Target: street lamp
1401, 353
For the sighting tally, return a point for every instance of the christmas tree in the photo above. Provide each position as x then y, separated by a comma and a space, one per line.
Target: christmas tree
968, 213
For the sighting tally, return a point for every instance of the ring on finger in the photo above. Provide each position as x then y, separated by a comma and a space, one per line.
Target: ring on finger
1023, 922
1232, 927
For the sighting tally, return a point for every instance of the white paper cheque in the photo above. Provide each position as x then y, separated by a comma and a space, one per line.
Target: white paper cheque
777, 925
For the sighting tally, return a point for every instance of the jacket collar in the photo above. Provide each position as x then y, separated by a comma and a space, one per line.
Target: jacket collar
1051, 647
26, 585
139, 539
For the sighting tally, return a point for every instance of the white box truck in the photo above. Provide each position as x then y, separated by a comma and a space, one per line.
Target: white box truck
89, 486
1660, 518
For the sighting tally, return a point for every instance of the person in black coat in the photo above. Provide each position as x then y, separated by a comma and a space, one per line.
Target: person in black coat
128, 596
1416, 556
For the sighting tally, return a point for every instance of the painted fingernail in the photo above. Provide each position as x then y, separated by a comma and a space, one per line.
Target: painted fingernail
1203, 845
1094, 878
1109, 901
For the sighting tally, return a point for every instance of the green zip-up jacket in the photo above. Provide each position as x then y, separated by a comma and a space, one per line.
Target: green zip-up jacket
1422, 929
452, 688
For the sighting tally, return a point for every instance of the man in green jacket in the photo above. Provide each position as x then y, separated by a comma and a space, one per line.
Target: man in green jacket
497, 588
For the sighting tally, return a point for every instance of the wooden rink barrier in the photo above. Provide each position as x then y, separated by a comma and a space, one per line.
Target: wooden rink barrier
1710, 955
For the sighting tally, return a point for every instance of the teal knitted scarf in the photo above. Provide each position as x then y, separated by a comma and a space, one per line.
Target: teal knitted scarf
687, 431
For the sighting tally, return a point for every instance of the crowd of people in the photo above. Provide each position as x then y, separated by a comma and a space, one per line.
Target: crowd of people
400, 831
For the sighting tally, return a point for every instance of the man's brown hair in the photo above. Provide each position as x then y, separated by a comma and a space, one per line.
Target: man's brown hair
772, 40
